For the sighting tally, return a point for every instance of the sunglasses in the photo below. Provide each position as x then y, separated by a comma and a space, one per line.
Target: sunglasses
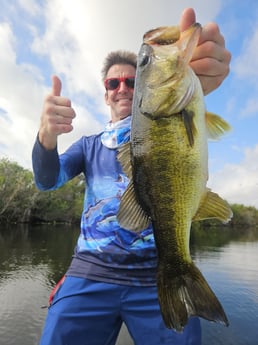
114, 83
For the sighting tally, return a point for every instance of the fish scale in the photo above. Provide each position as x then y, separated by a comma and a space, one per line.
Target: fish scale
168, 209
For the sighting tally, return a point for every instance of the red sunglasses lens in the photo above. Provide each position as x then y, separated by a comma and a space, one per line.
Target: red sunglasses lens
129, 82
113, 83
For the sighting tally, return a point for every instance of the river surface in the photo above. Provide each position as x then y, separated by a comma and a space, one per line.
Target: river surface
32, 259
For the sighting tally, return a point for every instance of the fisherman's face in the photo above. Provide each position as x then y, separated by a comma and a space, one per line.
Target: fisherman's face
120, 99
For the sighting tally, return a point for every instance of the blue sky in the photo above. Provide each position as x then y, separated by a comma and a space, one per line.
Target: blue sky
71, 39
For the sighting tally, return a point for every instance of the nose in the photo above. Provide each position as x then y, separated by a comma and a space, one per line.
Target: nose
122, 87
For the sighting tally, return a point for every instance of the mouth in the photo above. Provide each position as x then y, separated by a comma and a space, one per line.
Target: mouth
124, 100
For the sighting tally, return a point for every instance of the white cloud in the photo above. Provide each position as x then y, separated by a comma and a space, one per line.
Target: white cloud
246, 64
84, 124
244, 68
30, 6
250, 109
238, 183
7, 42
80, 33
20, 94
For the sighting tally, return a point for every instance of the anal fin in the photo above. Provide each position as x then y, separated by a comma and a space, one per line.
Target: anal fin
213, 206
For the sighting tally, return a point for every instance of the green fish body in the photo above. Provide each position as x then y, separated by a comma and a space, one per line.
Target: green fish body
167, 163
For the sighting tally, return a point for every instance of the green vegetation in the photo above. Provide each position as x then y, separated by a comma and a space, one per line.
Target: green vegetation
21, 202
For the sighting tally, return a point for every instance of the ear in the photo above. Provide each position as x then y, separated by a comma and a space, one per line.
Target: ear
106, 98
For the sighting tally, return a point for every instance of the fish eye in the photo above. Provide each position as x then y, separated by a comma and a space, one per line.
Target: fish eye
145, 60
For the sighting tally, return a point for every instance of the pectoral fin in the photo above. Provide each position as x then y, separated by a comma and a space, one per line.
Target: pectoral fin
187, 117
213, 206
130, 215
124, 157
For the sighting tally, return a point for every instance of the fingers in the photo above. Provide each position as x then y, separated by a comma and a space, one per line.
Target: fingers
210, 49
211, 32
57, 116
56, 86
210, 60
212, 69
187, 19
55, 94
211, 73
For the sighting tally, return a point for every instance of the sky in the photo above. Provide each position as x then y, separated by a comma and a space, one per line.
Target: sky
71, 38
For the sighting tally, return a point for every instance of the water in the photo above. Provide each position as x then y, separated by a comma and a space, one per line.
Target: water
232, 272
32, 259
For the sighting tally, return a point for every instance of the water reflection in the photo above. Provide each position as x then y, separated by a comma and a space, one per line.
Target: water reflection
232, 272
32, 259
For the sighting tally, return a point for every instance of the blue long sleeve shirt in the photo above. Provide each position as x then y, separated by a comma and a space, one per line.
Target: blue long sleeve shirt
104, 251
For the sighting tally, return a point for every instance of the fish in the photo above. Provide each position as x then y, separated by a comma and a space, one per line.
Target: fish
166, 162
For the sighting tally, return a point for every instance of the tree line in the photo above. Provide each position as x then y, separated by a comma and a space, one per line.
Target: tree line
22, 202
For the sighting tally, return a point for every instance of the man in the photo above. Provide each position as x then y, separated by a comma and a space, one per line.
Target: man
112, 275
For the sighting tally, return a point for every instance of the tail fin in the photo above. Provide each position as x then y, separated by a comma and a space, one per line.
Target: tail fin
187, 295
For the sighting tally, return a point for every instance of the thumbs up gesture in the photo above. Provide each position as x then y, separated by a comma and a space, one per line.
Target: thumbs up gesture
56, 117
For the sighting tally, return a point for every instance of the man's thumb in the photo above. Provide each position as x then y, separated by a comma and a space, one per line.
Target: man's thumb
56, 86
187, 19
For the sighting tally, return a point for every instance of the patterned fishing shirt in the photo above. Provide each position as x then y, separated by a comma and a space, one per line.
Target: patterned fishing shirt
104, 251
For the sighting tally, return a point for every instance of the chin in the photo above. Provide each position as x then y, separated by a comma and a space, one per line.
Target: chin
124, 116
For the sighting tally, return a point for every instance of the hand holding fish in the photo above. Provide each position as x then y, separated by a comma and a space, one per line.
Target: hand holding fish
210, 60
56, 117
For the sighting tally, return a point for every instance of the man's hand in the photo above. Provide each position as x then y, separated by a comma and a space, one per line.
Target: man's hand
57, 116
211, 59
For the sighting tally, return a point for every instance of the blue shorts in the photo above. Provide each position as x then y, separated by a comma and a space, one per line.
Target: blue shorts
85, 312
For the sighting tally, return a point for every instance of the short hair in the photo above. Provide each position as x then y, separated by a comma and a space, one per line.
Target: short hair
119, 57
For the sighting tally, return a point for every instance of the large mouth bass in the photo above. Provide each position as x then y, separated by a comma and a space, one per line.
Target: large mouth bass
167, 163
